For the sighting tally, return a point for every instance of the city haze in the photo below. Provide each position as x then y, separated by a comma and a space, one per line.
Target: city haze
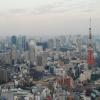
48, 17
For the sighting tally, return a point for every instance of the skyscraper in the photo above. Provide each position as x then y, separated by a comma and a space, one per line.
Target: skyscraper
79, 44
13, 55
14, 40
58, 44
50, 43
32, 52
22, 43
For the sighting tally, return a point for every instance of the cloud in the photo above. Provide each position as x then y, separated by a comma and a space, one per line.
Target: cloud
56, 7
13, 12
2, 14
17, 11
88, 10
63, 6
59, 6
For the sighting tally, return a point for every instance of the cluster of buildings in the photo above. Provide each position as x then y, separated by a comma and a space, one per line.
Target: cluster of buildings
59, 68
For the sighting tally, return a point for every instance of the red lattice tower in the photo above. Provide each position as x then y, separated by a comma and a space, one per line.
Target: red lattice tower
90, 55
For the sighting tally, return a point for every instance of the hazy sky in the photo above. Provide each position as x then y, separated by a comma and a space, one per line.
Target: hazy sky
48, 17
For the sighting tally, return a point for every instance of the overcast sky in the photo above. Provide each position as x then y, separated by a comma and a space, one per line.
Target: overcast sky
48, 17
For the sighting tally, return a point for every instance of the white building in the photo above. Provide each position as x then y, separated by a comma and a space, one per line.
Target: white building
13, 54
85, 75
32, 52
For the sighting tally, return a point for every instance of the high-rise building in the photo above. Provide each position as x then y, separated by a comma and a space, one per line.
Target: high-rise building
58, 44
13, 55
79, 44
14, 40
50, 43
19, 45
3, 75
2, 46
90, 56
32, 52
63, 40
22, 43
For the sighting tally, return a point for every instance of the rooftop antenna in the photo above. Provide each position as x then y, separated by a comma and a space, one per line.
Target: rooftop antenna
90, 29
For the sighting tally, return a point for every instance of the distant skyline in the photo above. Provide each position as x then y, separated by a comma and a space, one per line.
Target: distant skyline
48, 17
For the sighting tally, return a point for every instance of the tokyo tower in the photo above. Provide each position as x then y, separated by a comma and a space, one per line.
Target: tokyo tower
90, 56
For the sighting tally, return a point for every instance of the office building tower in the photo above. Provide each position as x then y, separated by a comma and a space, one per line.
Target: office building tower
32, 52
58, 44
22, 43
14, 40
51, 44
13, 55
79, 44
